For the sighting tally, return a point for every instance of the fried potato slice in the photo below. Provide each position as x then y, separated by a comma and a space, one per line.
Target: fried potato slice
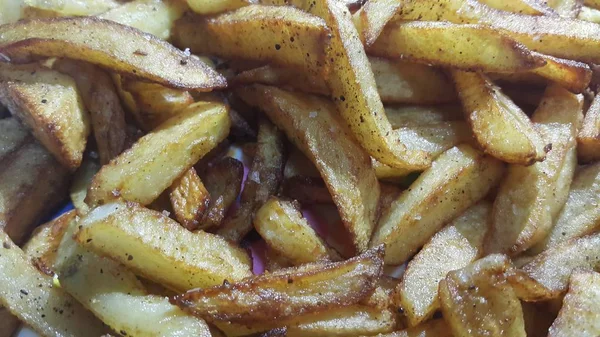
452, 248
477, 300
306, 190
72, 7
573, 75
419, 115
434, 328
467, 47
579, 216
372, 17
531, 197
547, 275
440, 193
279, 35
156, 247
288, 292
49, 104
286, 231
592, 3
343, 164
111, 45
161, 156
494, 118
526, 7
283, 77
116, 296
43, 244
298, 165
588, 139
82, 179
580, 313
589, 14
264, 176
434, 138
565, 8
32, 180
30, 295
12, 136
189, 199
216, 6
102, 102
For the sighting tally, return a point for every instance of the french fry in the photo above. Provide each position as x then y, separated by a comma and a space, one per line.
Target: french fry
161, 156
418, 115
434, 328
579, 315
477, 300
280, 76
588, 139
189, 199
372, 17
30, 296
306, 190
280, 35
531, 197
108, 44
286, 231
573, 75
589, 14
435, 138
263, 180
565, 8
298, 165
215, 7
116, 296
81, 183
10, 11
156, 247
495, 118
49, 104
462, 242
547, 275
526, 7
72, 7
289, 292
467, 47
99, 96
343, 165
592, 3
439, 194
223, 181
12, 136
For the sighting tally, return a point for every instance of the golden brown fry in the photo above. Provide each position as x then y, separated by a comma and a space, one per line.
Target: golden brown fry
264, 177
372, 17
494, 118
434, 138
418, 115
82, 179
467, 47
580, 314
306, 190
434, 328
389, 194
344, 166
216, 6
101, 100
108, 44
43, 244
592, 3
438, 195
189, 199
573, 75
286, 231
288, 293
452, 248
161, 156
283, 77
531, 197
49, 104
298, 165
156, 247
547, 275
527, 7
284, 36
588, 139
477, 300
223, 181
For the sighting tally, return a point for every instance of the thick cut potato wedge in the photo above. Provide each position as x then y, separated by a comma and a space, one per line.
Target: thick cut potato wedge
343, 164
531, 197
111, 45
495, 120
116, 296
102, 102
72, 7
288, 292
434, 138
477, 300
580, 215
161, 156
31, 296
263, 179
547, 275
467, 47
452, 248
216, 6
418, 115
281, 35
372, 17
588, 139
189, 199
589, 14
156, 17
33, 183
580, 313
43, 244
434, 328
439, 194
286, 231
573, 75
223, 180
158, 248
82, 179
49, 104
12, 136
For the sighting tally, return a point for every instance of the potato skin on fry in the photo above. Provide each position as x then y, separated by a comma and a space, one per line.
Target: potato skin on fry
223, 182
189, 199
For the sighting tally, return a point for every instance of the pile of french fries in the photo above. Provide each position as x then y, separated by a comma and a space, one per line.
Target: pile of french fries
451, 149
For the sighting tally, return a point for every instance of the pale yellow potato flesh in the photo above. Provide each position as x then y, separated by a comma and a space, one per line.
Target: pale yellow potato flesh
527, 7
72, 7
565, 8
216, 6
589, 14
372, 17
573, 75
588, 139
156, 247
580, 313
82, 180
454, 247
441, 193
419, 115
161, 156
